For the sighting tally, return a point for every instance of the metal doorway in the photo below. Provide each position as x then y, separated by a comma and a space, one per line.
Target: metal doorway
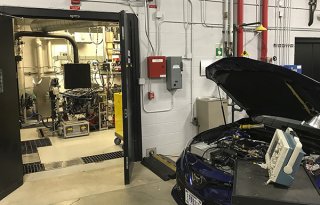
10, 153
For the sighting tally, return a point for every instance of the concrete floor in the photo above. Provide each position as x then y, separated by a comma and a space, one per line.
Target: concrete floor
97, 183
157, 194
100, 183
68, 149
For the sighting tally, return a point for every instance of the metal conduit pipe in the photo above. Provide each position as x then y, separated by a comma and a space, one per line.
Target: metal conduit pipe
225, 26
231, 27
191, 61
48, 35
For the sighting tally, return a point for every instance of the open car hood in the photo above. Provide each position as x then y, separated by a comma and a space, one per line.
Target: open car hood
266, 89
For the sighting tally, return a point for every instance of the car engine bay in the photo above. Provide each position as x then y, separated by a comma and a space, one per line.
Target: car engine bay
221, 147
233, 144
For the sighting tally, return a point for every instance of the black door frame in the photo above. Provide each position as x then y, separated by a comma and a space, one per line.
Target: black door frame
308, 41
11, 174
40, 13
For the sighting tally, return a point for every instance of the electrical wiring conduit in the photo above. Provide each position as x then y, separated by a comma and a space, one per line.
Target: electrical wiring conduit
225, 24
147, 29
231, 27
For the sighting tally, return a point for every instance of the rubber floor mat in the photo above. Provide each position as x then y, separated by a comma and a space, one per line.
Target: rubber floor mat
102, 157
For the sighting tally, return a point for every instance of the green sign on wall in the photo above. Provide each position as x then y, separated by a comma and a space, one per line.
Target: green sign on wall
219, 52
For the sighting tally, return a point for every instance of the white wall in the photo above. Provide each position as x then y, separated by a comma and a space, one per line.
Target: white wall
169, 131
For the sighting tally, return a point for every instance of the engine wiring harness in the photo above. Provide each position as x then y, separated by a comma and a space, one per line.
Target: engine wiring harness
232, 145
312, 165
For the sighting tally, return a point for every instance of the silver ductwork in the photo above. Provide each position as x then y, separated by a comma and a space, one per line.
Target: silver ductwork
59, 25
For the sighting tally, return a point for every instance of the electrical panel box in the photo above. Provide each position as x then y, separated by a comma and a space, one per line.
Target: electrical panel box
156, 66
209, 112
174, 73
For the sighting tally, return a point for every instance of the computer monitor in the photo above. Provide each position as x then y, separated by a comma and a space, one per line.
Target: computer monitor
284, 157
77, 76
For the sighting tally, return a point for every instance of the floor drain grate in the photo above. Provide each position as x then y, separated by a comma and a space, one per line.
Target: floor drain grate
30, 146
102, 157
33, 167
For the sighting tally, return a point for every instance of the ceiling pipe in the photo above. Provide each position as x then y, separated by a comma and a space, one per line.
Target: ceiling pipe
264, 38
58, 25
225, 26
231, 28
240, 10
48, 35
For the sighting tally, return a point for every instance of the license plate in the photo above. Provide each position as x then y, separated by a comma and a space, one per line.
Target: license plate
191, 199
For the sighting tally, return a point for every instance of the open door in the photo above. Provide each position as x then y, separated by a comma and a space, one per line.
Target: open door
127, 69
11, 172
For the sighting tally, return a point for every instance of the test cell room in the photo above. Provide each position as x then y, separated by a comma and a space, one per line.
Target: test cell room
162, 102
70, 98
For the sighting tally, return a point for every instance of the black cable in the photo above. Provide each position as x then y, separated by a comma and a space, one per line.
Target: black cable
224, 116
174, 156
42, 120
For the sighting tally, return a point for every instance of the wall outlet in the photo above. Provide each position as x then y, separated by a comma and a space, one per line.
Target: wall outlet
151, 151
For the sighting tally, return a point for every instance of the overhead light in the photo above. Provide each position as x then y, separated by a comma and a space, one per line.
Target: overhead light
261, 28
245, 54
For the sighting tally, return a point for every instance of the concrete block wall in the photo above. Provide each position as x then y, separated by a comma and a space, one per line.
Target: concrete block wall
170, 131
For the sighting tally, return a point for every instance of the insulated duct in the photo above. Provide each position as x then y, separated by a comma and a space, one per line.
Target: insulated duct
49, 54
58, 25
48, 35
39, 58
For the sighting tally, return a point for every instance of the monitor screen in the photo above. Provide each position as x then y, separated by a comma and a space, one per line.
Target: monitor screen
77, 76
273, 146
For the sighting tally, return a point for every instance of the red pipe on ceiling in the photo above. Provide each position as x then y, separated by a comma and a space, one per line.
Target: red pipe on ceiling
240, 28
264, 38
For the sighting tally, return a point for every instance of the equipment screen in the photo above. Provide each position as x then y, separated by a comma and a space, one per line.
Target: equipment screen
273, 146
77, 76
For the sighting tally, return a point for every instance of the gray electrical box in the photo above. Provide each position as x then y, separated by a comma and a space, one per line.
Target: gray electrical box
174, 75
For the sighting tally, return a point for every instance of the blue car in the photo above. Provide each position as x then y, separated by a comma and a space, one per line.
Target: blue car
274, 98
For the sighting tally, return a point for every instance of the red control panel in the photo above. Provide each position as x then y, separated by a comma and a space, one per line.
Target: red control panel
156, 66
